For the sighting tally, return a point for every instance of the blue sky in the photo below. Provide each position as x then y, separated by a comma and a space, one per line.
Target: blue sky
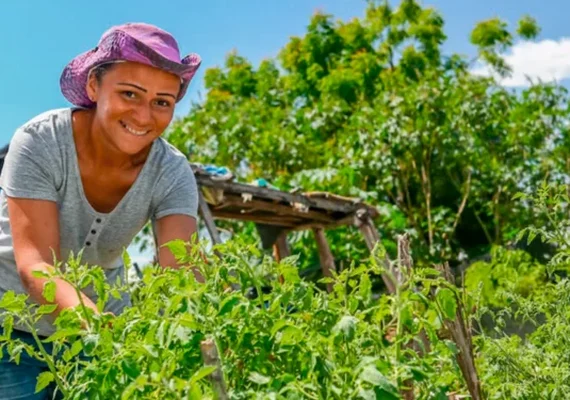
40, 37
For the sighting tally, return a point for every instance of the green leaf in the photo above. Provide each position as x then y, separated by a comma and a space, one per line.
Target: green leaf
115, 293
43, 380
277, 326
49, 291
195, 393
228, 304
258, 378
406, 315
291, 335
12, 302
346, 326
8, 325
75, 349
178, 249
127, 260
188, 321
430, 272
531, 236
371, 375
90, 342
41, 274
46, 309
289, 273
130, 368
366, 394
365, 289
16, 351
446, 300
201, 374
62, 333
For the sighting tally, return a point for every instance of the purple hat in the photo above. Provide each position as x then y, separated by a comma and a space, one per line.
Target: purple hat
137, 42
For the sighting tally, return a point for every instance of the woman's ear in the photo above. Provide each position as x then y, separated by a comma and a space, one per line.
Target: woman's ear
92, 88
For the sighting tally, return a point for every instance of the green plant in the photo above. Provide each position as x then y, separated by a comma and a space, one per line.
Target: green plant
397, 121
292, 341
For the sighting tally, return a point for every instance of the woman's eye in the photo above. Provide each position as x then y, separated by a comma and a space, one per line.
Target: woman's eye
129, 94
163, 103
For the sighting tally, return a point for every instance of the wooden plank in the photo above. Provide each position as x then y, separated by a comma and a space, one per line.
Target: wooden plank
272, 194
208, 219
325, 255
264, 219
280, 209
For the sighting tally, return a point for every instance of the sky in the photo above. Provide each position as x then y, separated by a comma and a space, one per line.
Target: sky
38, 38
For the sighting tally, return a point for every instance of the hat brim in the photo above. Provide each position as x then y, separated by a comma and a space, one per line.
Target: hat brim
119, 46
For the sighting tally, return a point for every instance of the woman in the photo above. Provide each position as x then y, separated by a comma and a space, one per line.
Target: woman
91, 176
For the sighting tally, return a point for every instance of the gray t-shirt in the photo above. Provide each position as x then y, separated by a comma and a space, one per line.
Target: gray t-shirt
42, 164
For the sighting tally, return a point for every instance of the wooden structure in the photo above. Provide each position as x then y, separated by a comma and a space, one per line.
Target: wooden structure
277, 213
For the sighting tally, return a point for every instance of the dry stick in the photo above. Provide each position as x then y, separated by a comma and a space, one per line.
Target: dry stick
405, 262
281, 250
325, 255
463, 202
211, 358
496, 215
461, 335
371, 237
427, 192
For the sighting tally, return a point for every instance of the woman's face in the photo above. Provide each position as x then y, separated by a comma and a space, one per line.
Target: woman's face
135, 104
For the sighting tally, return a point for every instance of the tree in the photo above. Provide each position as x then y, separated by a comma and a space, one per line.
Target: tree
372, 108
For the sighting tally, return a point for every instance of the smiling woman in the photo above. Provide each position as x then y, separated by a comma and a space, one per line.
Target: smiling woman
89, 177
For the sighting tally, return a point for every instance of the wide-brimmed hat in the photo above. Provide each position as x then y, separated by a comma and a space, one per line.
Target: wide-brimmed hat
137, 42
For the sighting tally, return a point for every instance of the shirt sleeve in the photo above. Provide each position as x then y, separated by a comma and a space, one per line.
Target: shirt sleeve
29, 169
179, 192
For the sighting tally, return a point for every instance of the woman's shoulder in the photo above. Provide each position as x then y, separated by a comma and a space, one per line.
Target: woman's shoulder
169, 157
43, 134
48, 120
170, 165
43, 130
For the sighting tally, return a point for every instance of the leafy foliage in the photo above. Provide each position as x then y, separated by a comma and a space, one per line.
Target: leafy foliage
373, 108
292, 341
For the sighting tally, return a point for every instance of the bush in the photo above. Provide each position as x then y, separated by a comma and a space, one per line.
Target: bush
293, 341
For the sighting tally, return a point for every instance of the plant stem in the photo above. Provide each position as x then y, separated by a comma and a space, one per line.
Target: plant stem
47, 357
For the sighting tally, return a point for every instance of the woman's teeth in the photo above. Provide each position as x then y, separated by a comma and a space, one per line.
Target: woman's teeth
133, 131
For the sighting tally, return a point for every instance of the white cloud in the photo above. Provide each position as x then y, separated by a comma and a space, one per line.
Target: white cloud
546, 61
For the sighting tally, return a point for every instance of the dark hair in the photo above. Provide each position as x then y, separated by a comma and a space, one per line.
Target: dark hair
101, 70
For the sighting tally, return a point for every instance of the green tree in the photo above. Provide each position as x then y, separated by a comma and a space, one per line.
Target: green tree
373, 108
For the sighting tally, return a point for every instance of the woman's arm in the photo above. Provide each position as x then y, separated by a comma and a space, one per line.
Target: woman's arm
35, 232
173, 227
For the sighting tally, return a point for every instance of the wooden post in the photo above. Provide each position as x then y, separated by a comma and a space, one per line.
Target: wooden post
371, 237
325, 255
212, 358
208, 219
281, 248
461, 335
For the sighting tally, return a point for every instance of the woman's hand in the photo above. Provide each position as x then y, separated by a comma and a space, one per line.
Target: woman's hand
35, 234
